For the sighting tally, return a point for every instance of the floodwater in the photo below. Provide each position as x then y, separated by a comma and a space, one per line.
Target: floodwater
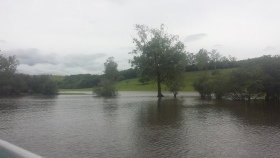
137, 124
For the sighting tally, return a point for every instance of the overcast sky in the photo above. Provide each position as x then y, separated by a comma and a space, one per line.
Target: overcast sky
64, 37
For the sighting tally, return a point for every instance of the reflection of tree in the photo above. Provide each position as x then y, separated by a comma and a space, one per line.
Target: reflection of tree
159, 134
110, 107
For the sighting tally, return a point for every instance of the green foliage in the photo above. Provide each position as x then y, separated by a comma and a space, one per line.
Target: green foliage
213, 60
107, 86
220, 86
202, 59
8, 64
175, 83
34, 82
157, 54
49, 88
143, 79
111, 72
204, 86
255, 78
79, 81
10, 82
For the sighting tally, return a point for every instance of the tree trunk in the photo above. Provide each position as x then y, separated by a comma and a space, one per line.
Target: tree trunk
158, 77
175, 95
159, 88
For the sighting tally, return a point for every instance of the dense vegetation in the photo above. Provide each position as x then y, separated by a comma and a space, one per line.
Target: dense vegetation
258, 77
13, 83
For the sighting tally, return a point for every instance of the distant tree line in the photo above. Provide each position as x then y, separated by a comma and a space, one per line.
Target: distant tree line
89, 81
204, 60
14, 83
79, 81
258, 77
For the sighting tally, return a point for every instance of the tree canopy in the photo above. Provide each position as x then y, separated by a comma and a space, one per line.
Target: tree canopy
158, 55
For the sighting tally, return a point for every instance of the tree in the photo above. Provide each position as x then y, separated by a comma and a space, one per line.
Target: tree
107, 86
191, 59
9, 81
204, 86
202, 59
224, 61
8, 64
49, 88
111, 72
157, 54
215, 57
143, 79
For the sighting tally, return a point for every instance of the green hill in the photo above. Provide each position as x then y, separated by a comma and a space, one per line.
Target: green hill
134, 85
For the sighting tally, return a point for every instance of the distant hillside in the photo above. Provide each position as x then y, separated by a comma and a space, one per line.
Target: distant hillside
134, 85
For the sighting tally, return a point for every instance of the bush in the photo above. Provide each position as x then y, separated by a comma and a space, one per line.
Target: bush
49, 88
105, 88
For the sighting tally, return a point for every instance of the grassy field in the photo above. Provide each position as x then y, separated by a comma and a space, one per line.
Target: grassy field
134, 85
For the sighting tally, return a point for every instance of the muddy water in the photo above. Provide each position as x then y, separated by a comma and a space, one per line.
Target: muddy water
137, 124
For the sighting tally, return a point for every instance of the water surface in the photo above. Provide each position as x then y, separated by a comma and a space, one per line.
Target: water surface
137, 124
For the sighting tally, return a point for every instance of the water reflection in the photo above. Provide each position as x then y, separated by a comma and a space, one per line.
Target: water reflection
158, 133
136, 124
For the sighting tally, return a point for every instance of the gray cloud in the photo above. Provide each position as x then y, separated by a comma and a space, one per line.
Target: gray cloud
32, 56
195, 37
269, 48
81, 60
33, 61
2, 41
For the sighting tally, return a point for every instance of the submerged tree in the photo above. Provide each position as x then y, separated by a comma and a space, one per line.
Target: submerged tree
176, 83
107, 85
204, 86
157, 54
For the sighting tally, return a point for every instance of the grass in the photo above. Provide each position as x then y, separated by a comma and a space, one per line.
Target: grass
76, 90
134, 85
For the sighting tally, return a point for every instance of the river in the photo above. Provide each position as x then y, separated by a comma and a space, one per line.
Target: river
137, 124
